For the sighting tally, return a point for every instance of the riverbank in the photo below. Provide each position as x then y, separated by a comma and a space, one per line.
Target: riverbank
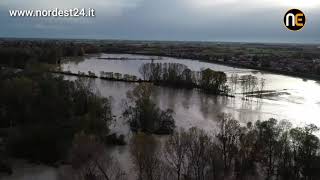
230, 64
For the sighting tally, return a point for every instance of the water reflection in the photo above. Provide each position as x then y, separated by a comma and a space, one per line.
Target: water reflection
192, 107
300, 102
296, 99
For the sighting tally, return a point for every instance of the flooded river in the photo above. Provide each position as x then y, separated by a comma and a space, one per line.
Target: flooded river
300, 104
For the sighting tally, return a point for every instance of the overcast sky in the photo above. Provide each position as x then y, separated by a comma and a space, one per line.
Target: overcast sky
189, 20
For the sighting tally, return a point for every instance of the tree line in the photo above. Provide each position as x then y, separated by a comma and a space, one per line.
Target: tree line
179, 75
170, 74
261, 150
249, 85
268, 149
18, 54
304, 63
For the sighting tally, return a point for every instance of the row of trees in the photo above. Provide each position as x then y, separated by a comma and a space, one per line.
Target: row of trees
118, 76
263, 150
249, 84
103, 75
179, 75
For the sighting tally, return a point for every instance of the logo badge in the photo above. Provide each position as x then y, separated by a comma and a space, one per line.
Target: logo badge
294, 19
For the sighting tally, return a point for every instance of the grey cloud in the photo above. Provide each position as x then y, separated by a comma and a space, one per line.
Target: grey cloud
170, 20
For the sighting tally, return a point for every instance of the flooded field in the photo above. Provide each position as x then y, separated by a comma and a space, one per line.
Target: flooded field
297, 100
294, 99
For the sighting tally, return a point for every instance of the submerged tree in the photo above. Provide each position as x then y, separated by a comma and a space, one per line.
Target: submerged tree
213, 81
234, 80
143, 115
179, 75
249, 83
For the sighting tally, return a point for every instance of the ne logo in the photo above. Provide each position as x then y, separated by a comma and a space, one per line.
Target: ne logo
294, 19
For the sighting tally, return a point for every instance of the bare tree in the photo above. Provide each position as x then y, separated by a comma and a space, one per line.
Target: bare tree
262, 86
91, 162
145, 156
198, 154
175, 152
145, 71
234, 79
228, 138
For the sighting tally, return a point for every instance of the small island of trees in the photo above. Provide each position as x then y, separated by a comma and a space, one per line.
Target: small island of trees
179, 75
143, 115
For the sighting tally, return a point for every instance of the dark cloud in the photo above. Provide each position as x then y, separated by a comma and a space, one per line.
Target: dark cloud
167, 20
